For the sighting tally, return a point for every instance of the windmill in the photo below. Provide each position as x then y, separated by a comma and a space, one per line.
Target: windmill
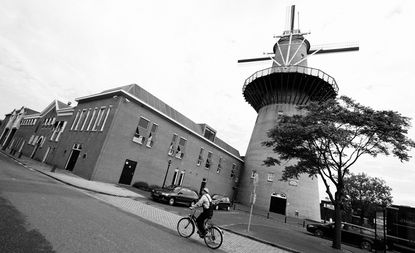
277, 91
291, 36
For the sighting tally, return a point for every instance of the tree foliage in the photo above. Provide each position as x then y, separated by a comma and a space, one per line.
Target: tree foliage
330, 137
366, 194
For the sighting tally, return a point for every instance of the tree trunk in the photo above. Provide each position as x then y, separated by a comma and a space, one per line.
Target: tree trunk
337, 223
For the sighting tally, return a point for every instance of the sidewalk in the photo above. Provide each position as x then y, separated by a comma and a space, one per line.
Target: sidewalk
237, 239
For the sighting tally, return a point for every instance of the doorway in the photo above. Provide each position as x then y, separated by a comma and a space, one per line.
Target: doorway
76, 150
127, 172
202, 185
278, 203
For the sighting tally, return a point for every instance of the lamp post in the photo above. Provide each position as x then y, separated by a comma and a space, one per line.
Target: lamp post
167, 172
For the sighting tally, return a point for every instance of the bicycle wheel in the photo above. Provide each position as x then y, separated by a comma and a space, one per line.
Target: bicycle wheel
213, 237
185, 227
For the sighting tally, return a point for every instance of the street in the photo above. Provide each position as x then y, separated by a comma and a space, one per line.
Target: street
39, 214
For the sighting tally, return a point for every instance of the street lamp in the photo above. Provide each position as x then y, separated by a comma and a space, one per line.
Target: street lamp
167, 172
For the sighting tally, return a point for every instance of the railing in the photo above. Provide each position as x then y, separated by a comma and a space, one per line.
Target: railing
290, 69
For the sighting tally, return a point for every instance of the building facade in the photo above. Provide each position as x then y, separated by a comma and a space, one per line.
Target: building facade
11, 125
127, 135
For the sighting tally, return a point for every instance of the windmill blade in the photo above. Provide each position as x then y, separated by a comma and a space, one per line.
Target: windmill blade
334, 48
254, 59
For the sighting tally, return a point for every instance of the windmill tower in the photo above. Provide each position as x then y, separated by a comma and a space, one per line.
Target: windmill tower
277, 91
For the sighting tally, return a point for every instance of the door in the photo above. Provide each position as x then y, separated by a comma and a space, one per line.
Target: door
278, 204
127, 172
72, 159
202, 185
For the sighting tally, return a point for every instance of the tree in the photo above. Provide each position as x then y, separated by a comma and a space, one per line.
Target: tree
327, 140
366, 194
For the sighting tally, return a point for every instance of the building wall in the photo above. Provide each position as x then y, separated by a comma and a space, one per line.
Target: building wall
302, 195
152, 162
89, 140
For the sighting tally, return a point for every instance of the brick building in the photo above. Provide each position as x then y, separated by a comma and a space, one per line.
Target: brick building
126, 135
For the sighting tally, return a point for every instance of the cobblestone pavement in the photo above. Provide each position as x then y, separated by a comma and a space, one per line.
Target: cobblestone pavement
231, 243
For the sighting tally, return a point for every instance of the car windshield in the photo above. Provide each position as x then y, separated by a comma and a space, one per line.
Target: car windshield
177, 189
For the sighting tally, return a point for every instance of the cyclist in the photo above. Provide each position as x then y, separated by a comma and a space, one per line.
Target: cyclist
206, 202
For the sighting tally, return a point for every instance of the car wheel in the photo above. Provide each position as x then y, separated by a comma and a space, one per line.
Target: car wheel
366, 245
318, 233
171, 201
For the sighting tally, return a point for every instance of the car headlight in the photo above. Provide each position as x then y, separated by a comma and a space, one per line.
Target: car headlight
164, 194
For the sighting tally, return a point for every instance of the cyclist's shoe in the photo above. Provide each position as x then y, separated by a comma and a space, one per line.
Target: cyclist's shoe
201, 235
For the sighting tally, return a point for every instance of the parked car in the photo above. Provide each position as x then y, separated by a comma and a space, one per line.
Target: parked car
175, 194
353, 234
221, 202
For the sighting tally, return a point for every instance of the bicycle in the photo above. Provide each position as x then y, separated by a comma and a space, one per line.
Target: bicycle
186, 228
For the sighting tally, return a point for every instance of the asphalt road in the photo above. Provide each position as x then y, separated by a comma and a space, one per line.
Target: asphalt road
38, 214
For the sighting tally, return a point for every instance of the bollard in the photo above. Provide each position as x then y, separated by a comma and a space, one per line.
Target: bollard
303, 223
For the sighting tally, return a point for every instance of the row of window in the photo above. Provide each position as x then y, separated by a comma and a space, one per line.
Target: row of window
58, 129
144, 134
48, 122
178, 178
28, 122
91, 119
36, 139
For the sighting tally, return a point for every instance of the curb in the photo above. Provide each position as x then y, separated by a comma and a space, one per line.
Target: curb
261, 241
62, 181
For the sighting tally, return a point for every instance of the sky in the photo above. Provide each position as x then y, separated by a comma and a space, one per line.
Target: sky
186, 52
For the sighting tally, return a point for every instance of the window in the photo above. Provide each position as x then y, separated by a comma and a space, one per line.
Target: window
98, 121
171, 147
86, 120
106, 117
200, 158
141, 131
92, 119
180, 148
54, 130
209, 134
35, 140
173, 181
30, 140
181, 177
63, 125
219, 165
81, 118
74, 122
233, 170
208, 160
152, 136
270, 177
143, 123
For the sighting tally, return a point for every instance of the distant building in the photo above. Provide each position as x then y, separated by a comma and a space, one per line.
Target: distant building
11, 124
39, 133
